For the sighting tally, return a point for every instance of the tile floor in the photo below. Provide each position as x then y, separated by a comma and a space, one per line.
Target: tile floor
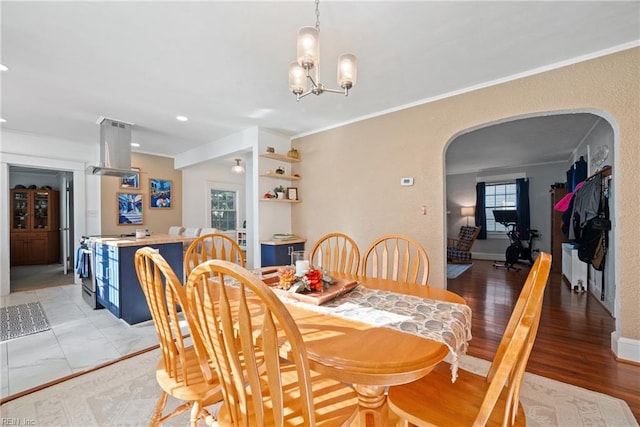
80, 338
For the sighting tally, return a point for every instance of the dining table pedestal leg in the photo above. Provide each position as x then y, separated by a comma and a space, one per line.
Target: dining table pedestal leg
373, 410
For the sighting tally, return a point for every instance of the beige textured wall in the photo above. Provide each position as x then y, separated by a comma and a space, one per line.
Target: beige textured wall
351, 175
156, 220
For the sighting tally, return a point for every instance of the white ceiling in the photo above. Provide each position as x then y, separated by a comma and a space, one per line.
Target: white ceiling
224, 64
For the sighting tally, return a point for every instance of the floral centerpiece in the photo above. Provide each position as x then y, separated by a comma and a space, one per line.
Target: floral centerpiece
312, 281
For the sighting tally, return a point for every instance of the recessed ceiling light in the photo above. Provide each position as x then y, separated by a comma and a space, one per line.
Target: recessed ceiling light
262, 112
182, 118
4, 67
2, 120
135, 144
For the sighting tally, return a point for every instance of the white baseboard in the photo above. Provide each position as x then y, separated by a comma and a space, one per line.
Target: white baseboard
625, 348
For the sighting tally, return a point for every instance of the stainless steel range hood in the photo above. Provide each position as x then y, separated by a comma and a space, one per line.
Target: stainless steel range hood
115, 149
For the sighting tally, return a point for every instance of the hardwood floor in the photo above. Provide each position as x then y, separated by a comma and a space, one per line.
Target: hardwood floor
574, 339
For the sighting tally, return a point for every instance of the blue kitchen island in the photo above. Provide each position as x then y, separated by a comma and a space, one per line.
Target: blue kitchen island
117, 285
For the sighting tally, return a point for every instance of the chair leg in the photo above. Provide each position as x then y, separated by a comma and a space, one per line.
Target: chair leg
157, 414
195, 414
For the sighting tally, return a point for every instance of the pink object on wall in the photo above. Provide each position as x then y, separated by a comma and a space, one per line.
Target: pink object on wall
563, 204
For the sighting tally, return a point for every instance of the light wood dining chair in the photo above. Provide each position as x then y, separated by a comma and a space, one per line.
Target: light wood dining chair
336, 252
247, 331
179, 372
396, 257
476, 400
212, 246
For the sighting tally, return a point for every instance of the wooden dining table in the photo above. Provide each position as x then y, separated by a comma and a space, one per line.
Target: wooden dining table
370, 358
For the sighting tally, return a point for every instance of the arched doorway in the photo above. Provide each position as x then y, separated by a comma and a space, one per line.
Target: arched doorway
540, 147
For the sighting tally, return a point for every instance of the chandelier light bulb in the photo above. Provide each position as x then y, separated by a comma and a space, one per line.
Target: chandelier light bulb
297, 78
308, 47
347, 70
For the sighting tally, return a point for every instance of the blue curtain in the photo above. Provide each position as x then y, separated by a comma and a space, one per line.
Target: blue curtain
522, 206
481, 215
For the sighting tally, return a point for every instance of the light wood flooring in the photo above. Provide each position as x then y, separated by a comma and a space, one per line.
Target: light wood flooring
574, 340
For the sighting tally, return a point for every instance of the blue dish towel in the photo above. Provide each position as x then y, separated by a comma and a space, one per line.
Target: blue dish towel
82, 263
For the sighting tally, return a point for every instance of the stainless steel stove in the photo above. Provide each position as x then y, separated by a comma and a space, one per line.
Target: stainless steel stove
85, 268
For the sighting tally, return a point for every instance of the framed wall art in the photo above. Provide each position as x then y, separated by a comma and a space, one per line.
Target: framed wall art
130, 209
132, 181
292, 193
160, 191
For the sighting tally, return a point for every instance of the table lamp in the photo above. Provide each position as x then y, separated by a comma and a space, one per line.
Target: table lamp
467, 212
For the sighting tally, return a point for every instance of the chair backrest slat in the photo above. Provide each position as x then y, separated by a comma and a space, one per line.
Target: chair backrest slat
336, 252
396, 257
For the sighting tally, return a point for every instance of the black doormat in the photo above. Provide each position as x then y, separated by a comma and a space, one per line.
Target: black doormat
22, 319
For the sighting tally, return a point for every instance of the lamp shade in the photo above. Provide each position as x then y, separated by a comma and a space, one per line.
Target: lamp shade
467, 211
347, 70
308, 47
237, 168
297, 78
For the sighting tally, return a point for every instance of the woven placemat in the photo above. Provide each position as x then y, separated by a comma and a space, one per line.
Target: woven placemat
22, 319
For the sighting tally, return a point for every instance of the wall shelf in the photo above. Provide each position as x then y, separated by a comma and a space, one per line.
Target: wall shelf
280, 200
280, 157
280, 176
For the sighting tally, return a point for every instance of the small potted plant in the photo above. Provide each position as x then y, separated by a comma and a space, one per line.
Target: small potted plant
279, 190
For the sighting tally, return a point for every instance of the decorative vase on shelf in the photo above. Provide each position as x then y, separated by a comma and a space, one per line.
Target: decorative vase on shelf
293, 153
280, 170
279, 190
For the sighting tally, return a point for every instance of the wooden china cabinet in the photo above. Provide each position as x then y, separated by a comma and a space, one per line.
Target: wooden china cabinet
35, 234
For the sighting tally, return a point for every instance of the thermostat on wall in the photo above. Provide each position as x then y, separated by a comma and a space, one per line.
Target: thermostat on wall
406, 181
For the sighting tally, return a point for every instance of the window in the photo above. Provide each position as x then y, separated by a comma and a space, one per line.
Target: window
498, 197
223, 209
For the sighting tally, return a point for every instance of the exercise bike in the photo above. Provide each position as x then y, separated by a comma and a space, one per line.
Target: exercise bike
517, 250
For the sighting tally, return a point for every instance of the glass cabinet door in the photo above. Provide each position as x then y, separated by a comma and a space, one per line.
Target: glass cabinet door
20, 210
40, 210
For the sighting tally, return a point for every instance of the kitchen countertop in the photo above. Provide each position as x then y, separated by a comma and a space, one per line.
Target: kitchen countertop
283, 241
154, 239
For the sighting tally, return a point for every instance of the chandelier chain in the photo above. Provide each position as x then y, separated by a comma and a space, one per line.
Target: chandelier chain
317, 15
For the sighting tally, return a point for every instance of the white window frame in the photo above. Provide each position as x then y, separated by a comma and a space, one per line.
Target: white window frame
502, 231
223, 186
496, 180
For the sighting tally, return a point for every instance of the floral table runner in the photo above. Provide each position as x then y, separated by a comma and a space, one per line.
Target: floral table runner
445, 322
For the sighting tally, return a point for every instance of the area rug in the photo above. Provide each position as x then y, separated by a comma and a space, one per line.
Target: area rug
125, 393
454, 270
547, 402
22, 319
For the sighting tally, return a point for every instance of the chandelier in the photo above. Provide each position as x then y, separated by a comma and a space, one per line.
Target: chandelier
301, 82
